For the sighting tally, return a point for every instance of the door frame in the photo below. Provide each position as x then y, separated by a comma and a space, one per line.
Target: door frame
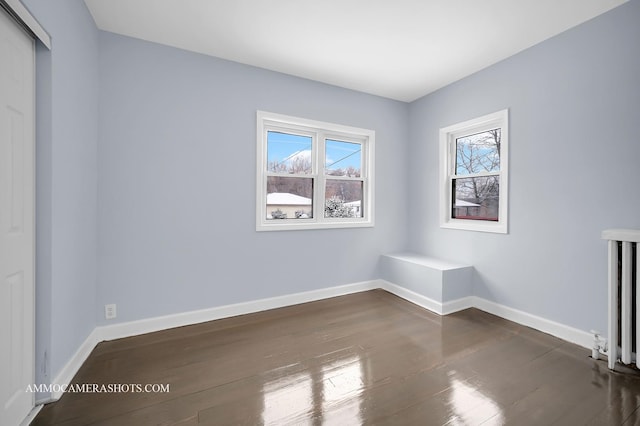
27, 22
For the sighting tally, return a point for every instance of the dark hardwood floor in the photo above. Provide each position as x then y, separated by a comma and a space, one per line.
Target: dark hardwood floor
366, 358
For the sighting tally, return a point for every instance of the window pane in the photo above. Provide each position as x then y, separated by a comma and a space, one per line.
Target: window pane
476, 198
289, 197
343, 158
343, 198
478, 153
287, 153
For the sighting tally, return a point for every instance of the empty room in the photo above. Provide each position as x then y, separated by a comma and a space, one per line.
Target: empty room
292, 212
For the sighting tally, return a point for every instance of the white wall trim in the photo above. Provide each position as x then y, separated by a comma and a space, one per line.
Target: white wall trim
70, 369
31, 416
426, 302
133, 328
457, 305
562, 331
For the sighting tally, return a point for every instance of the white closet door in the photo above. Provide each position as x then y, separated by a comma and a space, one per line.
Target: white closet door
17, 242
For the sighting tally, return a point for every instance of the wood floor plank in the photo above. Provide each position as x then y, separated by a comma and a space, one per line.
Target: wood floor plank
365, 358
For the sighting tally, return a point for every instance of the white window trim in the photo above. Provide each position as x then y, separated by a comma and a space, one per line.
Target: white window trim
319, 131
448, 136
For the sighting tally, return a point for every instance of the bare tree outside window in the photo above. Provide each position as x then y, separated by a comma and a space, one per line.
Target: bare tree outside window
297, 163
476, 190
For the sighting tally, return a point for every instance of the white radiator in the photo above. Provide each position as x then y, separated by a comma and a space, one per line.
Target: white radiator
624, 300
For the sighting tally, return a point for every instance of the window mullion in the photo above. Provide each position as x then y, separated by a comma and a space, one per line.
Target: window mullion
319, 190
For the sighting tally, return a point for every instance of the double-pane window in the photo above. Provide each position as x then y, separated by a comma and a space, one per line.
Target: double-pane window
313, 174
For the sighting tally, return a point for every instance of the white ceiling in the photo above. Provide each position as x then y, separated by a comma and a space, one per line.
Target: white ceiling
399, 49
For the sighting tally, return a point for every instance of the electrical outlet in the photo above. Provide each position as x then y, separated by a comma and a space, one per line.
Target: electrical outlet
110, 311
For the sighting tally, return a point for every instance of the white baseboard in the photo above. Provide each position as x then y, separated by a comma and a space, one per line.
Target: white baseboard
133, 328
457, 305
70, 369
564, 332
426, 302
32, 415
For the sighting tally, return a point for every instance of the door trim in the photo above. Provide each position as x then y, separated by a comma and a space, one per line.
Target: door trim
26, 20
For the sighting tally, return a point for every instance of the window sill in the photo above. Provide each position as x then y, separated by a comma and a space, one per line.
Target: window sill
307, 225
476, 225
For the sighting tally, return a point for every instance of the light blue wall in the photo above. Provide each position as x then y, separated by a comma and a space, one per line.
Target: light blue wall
66, 199
177, 179
574, 104
146, 177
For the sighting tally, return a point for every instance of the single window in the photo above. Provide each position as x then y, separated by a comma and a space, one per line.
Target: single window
312, 174
473, 162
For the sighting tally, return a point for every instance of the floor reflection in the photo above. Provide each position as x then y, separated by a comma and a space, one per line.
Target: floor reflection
623, 397
471, 406
327, 394
288, 399
367, 358
342, 387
